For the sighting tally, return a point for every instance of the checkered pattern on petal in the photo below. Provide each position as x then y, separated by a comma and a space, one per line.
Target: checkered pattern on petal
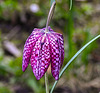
55, 56
40, 58
45, 56
40, 49
61, 46
29, 44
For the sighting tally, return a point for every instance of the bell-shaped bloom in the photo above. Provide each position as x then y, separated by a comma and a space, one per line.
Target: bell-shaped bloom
42, 49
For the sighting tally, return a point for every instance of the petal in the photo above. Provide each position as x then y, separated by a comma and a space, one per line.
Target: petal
36, 30
61, 46
29, 44
40, 58
51, 30
55, 56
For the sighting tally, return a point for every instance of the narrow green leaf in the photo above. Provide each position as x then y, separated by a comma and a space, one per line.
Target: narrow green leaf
70, 5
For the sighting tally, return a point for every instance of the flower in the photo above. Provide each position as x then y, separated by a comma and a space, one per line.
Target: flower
42, 49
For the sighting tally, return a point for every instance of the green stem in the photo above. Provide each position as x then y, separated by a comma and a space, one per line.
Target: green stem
70, 7
50, 15
46, 83
71, 60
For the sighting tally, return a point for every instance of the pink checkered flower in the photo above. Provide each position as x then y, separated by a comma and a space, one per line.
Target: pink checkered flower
42, 49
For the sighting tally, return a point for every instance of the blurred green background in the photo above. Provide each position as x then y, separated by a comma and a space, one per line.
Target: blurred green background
17, 20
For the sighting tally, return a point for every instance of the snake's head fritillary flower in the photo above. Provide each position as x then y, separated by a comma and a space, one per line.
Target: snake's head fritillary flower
42, 49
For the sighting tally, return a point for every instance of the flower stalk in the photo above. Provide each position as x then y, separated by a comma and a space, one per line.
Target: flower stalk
50, 15
46, 83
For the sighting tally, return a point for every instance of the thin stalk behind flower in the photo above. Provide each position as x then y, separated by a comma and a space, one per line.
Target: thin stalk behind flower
46, 83
50, 15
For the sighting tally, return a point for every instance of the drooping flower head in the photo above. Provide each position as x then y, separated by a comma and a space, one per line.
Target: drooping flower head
41, 49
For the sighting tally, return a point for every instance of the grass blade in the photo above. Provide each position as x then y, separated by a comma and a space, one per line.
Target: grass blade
70, 5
